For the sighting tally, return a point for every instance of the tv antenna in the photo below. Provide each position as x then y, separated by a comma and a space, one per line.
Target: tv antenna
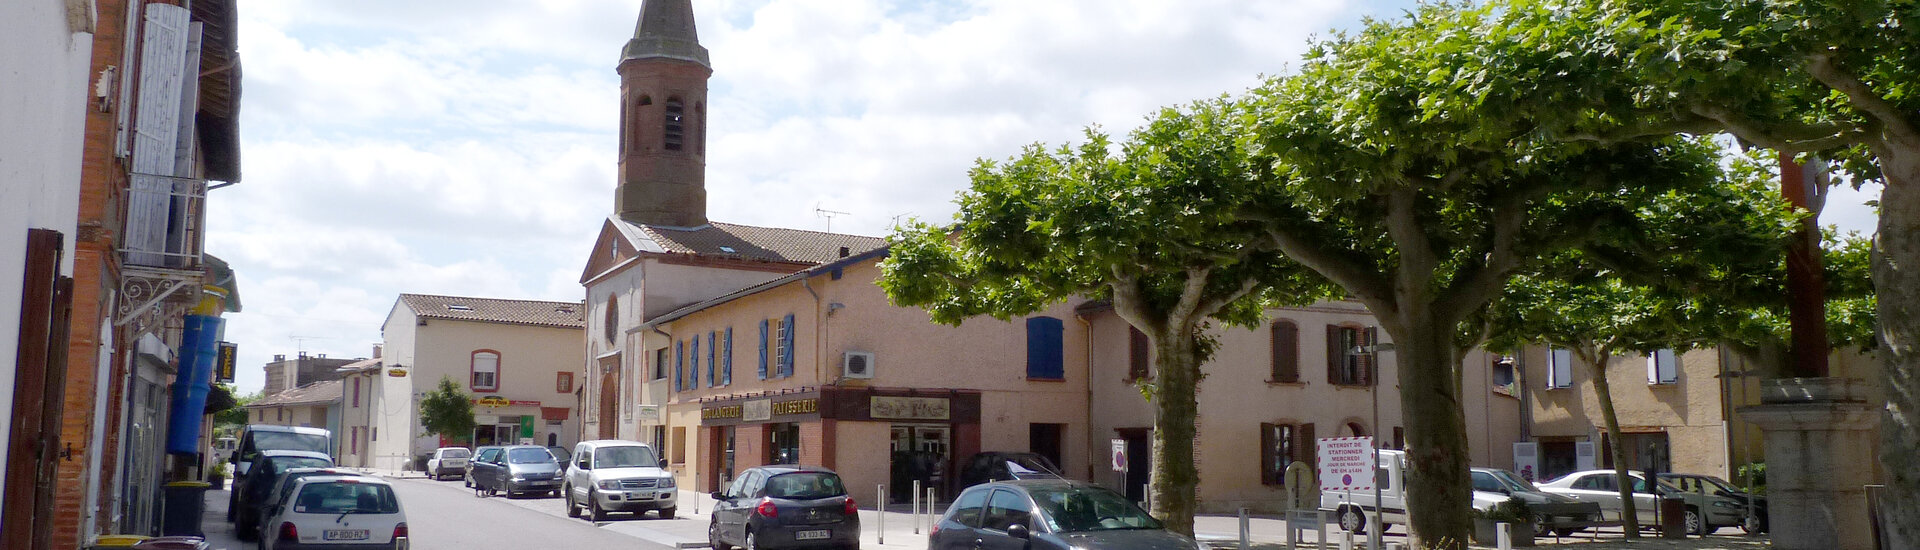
828, 214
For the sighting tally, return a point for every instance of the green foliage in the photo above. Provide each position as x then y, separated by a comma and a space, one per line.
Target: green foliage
234, 416
447, 411
1512, 510
1754, 477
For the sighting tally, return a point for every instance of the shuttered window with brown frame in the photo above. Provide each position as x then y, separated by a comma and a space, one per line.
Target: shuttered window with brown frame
1139, 355
1286, 351
1363, 362
1305, 447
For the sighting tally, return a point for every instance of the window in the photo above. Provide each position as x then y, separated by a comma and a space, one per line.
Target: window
1286, 351
1281, 445
786, 346
610, 326
1400, 438
1006, 509
279, 415
675, 129
563, 382
660, 364
713, 367
693, 364
726, 360
1559, 368
967, 509
486, 371
1046, 359
356, 392
1663, 367
1345, 366
679, 365
783, 443
1138, 355
1502, 372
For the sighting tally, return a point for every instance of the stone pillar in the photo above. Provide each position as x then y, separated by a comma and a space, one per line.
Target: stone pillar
1819, 449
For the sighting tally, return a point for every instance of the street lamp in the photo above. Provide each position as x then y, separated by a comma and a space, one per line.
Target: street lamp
1372, 351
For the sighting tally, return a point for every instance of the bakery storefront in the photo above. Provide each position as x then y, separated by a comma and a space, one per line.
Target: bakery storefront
868, 435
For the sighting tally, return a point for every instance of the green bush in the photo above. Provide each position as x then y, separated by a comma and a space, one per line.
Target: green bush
1754, 476
1512, 510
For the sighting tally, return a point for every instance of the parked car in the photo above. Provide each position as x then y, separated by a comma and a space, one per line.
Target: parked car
339, 512
518, 469
1004, 466
252, 491
611, 475
784, 507
263, 437
1051, 514
448, 461
283, 487
561, 454
1704, 513
483, 453
1755, 522
1559, 514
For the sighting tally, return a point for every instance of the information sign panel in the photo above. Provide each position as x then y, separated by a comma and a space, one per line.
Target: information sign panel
1346, 464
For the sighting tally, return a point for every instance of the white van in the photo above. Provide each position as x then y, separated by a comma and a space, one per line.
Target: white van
1490, 488
1347, 507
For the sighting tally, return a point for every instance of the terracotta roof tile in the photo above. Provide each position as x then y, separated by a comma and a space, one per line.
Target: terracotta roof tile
317, 392
772, 244
494, 310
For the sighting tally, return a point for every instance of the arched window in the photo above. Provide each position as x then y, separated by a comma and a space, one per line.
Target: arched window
699, 128
631, 138
675, 127
486, 370
611, 325
1354, 429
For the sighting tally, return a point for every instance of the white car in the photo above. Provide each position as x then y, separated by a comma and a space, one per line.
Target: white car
343, 512
448, 461
611, 475
1704, 513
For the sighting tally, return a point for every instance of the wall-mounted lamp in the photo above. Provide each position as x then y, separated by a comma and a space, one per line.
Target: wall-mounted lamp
835, 306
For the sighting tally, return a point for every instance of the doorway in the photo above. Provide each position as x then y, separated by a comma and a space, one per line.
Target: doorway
609, 396
921, 452
1046, 440
1139, 462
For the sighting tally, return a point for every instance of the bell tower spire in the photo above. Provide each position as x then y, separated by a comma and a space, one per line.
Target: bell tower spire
663, 112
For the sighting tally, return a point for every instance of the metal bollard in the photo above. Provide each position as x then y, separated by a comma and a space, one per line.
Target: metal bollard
1346, 539
1503, 535
1394, 546
932, 517
1244, 529
880, 512
915, 497
1375, 533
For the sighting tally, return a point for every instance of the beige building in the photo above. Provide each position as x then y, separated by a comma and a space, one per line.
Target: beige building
315, 405
1267, 395
518, 358
356, 407
1677, 412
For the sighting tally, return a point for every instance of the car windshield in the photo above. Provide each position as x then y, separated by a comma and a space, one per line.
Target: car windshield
289, 441
1514, 482
622, 457
1719, 483
1090, 509
529, 455
346, 497
284, 463
454, 453
805, 485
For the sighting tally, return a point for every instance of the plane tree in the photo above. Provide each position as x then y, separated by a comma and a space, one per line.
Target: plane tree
1147, 222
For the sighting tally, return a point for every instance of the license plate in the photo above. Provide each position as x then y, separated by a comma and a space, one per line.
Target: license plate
346, 534
811, 535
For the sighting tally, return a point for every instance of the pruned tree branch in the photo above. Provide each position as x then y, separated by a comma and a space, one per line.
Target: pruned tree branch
1859, 94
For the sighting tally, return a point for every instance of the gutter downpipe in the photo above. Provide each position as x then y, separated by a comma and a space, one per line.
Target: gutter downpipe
820, 322
1088, 325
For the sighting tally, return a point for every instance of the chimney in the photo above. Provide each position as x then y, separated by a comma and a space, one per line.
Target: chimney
321, 356
303, 354
844, 251
278, 357
376, 351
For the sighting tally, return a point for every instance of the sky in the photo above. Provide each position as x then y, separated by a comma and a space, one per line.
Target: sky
468, 148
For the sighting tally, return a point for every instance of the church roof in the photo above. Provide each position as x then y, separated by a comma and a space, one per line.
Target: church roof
495, 310
666, 30
772, 244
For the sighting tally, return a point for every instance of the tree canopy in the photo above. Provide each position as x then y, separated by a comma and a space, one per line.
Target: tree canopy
447, 410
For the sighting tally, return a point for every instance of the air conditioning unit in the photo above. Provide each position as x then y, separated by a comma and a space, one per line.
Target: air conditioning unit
858, 364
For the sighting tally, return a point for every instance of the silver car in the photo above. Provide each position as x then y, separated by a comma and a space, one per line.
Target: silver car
1704, 514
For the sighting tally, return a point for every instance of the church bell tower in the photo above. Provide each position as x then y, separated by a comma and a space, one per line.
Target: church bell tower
663, 119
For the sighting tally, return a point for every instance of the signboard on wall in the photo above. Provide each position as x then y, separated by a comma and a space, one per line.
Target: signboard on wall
1346, 464
648, 413
909, 408
224, 362
756, 410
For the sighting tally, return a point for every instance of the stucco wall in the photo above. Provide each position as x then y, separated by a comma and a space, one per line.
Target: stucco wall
863, 461
530, 359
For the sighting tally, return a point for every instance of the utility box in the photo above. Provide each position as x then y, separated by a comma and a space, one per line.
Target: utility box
1673, 517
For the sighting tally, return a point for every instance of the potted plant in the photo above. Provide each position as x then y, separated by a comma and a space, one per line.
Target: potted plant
217, 475
1513, 512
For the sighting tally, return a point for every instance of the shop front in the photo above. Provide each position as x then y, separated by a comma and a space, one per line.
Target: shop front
500, 421
869, 435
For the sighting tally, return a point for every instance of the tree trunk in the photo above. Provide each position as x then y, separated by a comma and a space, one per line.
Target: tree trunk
1896, 281
1438, 485
1176, 402
1603, 390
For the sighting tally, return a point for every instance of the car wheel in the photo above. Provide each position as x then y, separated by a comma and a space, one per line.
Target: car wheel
667, 513
466, 480
1566, 532
244, 529
1751, 525
713, 535
233, 503
594, 513
566, 499
753, 542
1694, 525
1351, 520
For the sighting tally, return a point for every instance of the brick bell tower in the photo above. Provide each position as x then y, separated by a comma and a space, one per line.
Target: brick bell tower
663, 112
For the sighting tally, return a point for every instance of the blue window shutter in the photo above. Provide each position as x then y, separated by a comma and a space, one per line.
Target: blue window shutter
1046, 356
679, 364
786, 346
763, 349
712, 376
693, 358
726, 369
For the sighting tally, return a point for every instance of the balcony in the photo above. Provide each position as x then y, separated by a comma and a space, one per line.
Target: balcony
160, 254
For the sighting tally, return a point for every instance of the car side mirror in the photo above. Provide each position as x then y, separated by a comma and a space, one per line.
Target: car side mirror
718, 495
582, 465
1019, 531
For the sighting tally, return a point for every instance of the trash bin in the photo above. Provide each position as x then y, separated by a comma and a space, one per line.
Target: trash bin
185, 502
118, 541
173, 543
1673, 517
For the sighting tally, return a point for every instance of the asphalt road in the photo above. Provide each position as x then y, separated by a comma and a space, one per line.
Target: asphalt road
443, 515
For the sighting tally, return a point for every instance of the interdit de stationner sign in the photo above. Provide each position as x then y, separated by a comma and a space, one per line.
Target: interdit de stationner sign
1346, 464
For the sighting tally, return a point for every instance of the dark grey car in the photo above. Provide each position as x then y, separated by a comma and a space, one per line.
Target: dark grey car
1049, 515
784, 507
516, 470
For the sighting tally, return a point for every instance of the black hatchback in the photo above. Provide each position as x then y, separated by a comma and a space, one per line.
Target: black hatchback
785, 507
1049, 515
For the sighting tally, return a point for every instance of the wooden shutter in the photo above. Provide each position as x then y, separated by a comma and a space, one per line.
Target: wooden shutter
1269, 460
1363, 361
1286, 352
39, 393
763, 348
786, 346
693, 364
1333, 354
679, 366
726, 368
1308, 448
1046, 359
156, 135
713, 369
1138, 354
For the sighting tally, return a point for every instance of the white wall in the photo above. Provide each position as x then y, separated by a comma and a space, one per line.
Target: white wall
43, 93
391, 418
